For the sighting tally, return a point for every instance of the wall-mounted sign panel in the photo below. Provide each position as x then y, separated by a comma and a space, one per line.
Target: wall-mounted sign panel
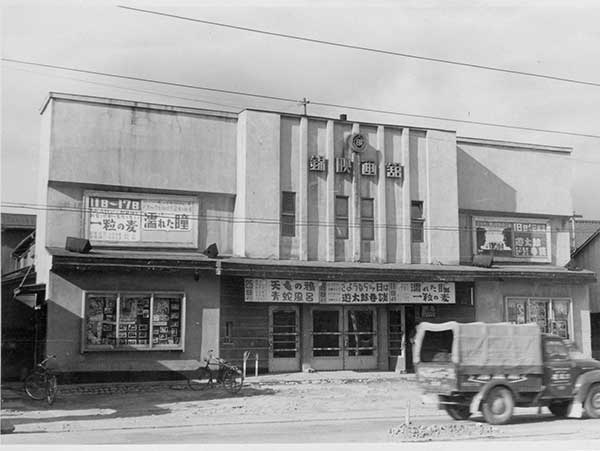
127, 219
512, 239
319, 292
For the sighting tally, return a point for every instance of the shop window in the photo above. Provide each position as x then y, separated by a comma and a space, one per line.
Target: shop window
367, 220
341, 217
551, 315
133, 321
288, 213
417, 221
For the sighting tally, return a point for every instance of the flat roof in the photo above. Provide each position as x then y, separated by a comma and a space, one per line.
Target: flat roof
513, 145
134, 104
18, 221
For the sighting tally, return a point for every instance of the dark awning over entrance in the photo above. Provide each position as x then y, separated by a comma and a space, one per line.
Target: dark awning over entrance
103, 260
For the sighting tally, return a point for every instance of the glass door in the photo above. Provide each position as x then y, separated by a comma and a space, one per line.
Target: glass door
360, 338
284, 349
327, 353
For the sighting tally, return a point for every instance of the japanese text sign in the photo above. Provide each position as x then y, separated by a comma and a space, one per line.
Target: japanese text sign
306, 291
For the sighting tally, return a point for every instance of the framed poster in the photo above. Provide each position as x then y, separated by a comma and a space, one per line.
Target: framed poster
512, 239
133, 219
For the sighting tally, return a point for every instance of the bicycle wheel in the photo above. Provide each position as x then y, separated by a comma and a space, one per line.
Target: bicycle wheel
233, 380
51, 389
200, 379
35, 385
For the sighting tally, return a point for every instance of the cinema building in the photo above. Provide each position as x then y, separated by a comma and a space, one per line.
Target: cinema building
333, 238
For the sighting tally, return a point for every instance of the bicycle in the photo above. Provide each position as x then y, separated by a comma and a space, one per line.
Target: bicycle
41, 383
228, 375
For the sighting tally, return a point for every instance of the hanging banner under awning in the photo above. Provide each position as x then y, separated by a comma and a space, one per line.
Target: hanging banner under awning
319, 292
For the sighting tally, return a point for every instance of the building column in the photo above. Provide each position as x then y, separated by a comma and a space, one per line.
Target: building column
354, 207
381, 204
330, 197
302, 219
405, 225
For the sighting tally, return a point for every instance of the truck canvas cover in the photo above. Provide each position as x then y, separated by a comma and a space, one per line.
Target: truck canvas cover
497, 347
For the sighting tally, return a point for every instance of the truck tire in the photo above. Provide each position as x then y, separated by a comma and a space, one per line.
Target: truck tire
458, 412
498, 406
559, 409
592, 401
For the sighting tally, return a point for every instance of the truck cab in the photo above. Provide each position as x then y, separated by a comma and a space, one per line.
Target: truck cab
493, 368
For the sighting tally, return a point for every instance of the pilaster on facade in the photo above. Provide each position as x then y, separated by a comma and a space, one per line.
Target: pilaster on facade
302, 219
381, 205
354, 210
330, 196
405, 223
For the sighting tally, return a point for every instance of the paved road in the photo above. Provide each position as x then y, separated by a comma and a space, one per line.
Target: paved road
534, 429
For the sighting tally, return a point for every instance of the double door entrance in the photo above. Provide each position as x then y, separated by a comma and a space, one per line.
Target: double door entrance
327, 338
344, 338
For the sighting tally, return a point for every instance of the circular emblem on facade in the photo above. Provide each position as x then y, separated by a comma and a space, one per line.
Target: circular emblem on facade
358, 142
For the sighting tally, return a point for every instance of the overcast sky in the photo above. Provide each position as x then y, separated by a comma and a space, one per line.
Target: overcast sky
560, 38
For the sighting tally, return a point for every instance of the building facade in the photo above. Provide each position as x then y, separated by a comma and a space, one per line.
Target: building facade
335, 238
587, 255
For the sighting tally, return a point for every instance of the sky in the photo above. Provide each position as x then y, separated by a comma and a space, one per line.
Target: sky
558, 38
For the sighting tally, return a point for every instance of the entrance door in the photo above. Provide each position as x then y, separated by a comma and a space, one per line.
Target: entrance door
344, 337
360, 338
284, 349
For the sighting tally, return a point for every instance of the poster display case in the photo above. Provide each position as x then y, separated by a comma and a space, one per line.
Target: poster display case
133, 321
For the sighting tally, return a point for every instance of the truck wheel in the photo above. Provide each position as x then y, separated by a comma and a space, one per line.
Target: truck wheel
498, 406
592, 401
559, 409
458, 412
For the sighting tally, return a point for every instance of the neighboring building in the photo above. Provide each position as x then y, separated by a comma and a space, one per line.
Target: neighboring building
15, 229
20, 320
582, 230
587, 255
335, 238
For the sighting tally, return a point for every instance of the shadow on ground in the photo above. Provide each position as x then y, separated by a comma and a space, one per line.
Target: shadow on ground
21, 410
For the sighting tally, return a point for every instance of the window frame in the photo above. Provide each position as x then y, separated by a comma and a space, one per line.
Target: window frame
417, 224
367, 223
550, 317
288, 217
340, 219
151, 347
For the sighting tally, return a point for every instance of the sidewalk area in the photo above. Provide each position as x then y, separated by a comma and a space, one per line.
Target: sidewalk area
264, 398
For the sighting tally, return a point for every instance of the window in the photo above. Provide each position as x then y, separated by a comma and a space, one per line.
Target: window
133, 321
551, 315
416, 221
288, 213
341, 217
228, 338
367, 222
395, 332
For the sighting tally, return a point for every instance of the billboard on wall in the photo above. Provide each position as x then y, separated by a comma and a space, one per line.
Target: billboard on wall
320, 292
140, 219
511, 239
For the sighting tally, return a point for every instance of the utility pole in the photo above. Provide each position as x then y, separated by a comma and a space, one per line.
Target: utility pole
572, 218
304, 102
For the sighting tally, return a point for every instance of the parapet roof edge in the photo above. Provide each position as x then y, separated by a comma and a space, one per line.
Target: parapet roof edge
134, 104
514, 145
348, 121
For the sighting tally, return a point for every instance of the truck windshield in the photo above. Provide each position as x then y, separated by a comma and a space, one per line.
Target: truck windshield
436, 346
556, 350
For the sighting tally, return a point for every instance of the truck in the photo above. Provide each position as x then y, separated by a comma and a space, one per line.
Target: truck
494, 367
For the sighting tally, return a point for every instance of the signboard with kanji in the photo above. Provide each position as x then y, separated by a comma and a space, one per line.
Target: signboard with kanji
282, 290
320, 292
425, 293
512, 239
140, 219
317, 163
368, 168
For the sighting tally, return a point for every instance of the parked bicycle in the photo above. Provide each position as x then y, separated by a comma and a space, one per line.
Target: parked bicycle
41, 383
230, 376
